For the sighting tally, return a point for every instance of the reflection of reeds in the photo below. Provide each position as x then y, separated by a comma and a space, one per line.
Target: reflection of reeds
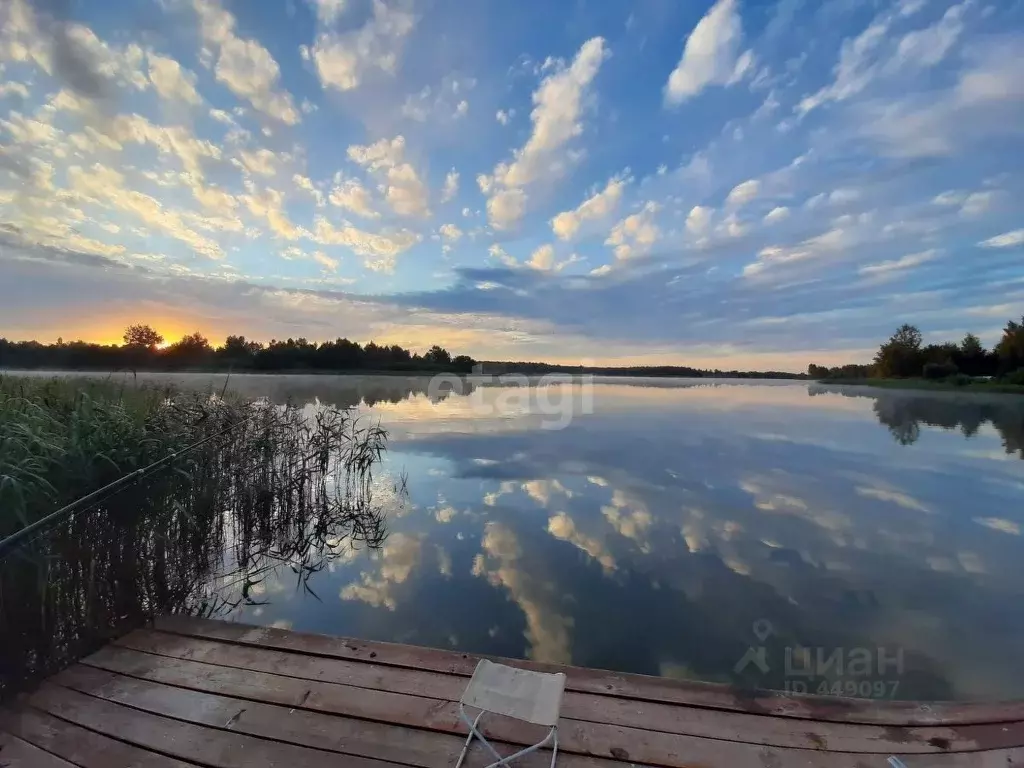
283, 484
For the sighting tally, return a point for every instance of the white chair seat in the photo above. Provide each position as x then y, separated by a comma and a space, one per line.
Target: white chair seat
535, 697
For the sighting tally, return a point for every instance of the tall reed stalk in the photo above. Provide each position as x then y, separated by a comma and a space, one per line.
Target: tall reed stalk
282, 484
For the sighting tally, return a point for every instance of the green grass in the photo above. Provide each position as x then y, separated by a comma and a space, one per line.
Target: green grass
928, 384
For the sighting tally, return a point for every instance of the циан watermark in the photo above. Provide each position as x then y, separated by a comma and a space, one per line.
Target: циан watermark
859, 672
556, 398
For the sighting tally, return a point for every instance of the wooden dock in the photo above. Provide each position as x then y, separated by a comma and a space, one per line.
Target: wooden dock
193, 692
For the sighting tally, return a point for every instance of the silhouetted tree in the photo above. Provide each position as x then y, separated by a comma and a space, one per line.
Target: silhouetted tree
142, 336
1010, 349
900, 356
438, 356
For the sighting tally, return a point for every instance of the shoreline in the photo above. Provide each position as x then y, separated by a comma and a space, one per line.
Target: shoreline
978, 387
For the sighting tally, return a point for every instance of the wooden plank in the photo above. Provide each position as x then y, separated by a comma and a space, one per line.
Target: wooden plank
575, 738
611, 684
187, 741
238, 674
79, 745
338, 735
15, 753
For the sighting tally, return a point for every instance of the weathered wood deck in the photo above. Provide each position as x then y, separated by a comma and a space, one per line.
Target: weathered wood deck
193, 692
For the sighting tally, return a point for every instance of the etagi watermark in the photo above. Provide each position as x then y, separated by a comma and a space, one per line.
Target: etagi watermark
867, 673
555, 397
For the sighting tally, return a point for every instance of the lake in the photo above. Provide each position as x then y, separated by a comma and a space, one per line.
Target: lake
766, 533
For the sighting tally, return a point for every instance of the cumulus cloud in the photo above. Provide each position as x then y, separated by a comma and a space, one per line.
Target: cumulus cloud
451, 186
595, 208
450, 232
543, 258
343, 60
777, 214
506, 207
556, 118
379, 250
743, 193
711, 54
353, 196
171, 80
243, 65
699, 220
635, 234
403, 188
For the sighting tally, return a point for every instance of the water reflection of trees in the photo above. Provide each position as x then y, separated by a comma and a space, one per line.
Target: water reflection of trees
904, 413
201, 538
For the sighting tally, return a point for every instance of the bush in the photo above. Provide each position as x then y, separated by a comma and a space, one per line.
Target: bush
960, 380
939, 370
1017, 377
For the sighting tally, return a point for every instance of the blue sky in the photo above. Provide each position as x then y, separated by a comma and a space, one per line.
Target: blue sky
752, 184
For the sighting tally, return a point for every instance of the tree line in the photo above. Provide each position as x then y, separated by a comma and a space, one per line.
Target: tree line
143, 350
904, 356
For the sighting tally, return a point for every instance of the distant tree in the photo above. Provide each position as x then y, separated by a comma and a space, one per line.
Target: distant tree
142, 336
438, 356
900, 356
463, 363
1010, 349
972, 358
191, 349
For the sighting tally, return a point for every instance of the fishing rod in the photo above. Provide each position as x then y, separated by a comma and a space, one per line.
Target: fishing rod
116, 485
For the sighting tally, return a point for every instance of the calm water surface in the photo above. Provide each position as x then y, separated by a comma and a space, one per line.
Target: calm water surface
681, 524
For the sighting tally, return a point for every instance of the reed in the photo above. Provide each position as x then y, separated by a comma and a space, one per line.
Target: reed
275, 485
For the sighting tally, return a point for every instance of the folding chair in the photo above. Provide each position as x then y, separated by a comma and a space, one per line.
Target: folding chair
535, 697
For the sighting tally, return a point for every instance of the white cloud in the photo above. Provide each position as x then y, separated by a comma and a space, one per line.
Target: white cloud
843, 196
635, 234
780, 213
262, 162
698, 220
600, 205
105, 187
451, 186
558, 106
329, 264
504, 116
710, 54
171, 81
19, 89
404, 190
1005, 240
543, 258
927, 47
342, 61
328, 10
222, 117
377, 249
305, 183
951, 197
243, 65
832, 241
743, 193
353, 196
977, 203
444, 103
450, 232
506, 207
381, 154
896, 265
855, 68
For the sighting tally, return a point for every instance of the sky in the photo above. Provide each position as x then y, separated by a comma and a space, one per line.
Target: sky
743, 184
